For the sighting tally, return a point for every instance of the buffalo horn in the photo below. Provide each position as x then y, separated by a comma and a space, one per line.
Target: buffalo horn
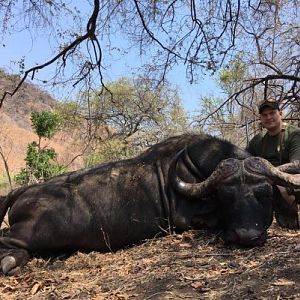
279, 175
223, 171
291, 168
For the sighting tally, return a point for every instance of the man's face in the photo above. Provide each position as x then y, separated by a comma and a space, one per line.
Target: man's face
271, 118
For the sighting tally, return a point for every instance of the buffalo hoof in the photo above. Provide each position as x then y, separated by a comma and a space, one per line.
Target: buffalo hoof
9, 265
288, 218
289, 223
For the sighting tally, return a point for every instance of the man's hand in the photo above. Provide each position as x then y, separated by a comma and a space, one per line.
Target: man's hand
286, 210
290, 199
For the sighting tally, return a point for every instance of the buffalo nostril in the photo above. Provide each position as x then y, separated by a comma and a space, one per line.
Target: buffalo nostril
250, 236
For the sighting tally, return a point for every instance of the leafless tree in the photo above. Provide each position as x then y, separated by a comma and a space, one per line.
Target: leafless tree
4, 159
136, 115
202, 35
268, 46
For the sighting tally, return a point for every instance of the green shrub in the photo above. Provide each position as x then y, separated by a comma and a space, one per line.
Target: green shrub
3, 181
40, 162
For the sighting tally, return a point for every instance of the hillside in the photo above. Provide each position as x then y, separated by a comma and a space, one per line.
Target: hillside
16, 130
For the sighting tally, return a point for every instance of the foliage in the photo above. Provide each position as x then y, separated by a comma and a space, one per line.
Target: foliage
134, 105
227, 119
45, 124
255, 42
69, 113
200, 36
4, 159
231, 77
223, 120
217, 124
39, 166
110, 150
140, 114
3, 181
123, 121
40, 162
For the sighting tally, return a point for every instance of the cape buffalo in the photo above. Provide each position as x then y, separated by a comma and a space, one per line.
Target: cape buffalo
188, 181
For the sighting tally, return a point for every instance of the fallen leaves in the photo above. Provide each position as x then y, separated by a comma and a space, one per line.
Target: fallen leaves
35, 288
283, 282
174, 267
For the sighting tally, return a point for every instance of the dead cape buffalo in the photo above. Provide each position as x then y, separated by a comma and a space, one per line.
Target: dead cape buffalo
189, 181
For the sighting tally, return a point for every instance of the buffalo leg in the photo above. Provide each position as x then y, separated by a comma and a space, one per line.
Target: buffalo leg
286, 214
12, 257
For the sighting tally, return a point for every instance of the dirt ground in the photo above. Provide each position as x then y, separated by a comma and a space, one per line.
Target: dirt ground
194, 265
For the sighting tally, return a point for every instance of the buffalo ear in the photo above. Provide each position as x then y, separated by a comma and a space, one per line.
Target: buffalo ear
286, 214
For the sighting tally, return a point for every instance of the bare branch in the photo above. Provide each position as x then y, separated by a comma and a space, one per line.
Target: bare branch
68, 50
4, 159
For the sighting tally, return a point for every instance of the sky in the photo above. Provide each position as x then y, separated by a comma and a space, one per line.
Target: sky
18, 45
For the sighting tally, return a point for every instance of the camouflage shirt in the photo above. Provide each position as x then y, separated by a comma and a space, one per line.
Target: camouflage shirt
278, 149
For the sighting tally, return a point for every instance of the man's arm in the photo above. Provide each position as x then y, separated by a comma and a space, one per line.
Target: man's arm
294, 154
294, 146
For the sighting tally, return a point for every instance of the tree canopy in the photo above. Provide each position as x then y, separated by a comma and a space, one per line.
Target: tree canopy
128, 118
204, 36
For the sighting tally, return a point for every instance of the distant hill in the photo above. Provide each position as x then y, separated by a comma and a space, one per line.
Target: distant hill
15, 125
28, 99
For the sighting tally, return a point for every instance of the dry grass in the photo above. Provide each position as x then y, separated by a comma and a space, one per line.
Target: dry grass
194, 265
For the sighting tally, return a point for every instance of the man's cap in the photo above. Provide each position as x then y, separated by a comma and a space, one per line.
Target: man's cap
273, 104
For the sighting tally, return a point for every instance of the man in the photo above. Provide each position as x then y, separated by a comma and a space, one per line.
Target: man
280, 144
